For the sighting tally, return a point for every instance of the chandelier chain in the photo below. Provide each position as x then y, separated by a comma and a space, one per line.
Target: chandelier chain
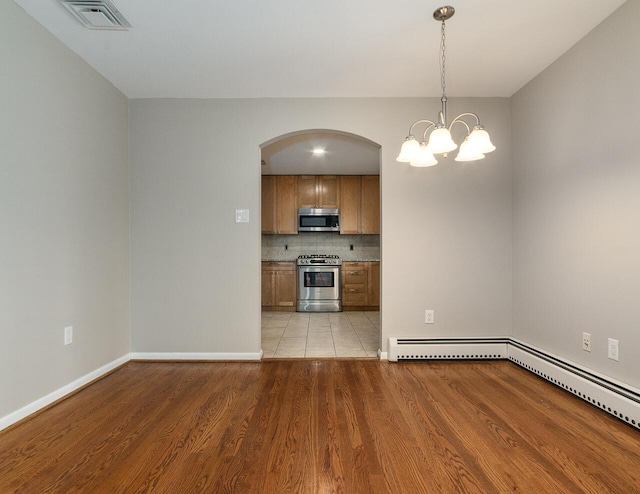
442, 63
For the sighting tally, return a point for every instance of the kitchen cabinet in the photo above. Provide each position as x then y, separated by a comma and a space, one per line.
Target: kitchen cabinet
374, 283
350, 192
318, 191
355, 284
370, 205
279, 211
279, 285
359, 204
360, 285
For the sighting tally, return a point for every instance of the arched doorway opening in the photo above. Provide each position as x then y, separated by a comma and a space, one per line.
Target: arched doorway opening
321, 168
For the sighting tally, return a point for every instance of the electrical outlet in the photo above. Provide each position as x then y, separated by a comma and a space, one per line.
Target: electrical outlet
68, 335
614, 351
429, 316
586, 342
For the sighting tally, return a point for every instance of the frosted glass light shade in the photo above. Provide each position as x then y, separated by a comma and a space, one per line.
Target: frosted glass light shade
468, 152
424, 158
479, 139
440, 141
409, 151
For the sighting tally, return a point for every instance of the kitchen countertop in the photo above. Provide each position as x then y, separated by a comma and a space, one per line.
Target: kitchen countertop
343, 260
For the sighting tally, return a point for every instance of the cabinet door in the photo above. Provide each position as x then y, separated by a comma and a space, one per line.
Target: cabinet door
268, 204
285, 288
328, 187
374, 283
318, 191
286, 211
370, 204
268, 287
307, 191
349, 204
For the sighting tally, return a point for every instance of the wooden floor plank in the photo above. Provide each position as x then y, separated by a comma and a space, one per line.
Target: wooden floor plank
305, 426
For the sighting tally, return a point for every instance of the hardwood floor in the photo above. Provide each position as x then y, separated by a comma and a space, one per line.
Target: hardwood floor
319, 426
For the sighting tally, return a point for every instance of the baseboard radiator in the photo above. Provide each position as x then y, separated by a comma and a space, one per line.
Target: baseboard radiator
447, 348
612, 397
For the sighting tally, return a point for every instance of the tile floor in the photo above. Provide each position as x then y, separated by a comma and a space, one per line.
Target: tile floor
320, 334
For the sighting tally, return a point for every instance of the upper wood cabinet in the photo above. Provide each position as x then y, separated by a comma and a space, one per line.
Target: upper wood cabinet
357, 196
350, 191
318, 191
279, 211
370, 204
359, 204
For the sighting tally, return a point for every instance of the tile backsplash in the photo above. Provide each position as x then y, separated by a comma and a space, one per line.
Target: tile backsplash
289, 247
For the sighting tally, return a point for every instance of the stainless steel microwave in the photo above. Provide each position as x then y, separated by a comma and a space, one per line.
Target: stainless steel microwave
318, 220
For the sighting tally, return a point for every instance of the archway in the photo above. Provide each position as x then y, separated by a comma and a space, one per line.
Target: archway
337, 161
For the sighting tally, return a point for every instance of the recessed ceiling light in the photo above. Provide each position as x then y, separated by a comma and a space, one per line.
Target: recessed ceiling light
319, 151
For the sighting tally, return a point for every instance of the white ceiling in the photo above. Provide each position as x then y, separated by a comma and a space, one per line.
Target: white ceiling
328, 48
344, 154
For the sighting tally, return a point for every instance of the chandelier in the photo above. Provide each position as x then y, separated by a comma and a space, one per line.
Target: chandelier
475, 144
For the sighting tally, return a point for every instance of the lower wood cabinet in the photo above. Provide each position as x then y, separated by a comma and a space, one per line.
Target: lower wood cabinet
361, 284
374, 283
279, 285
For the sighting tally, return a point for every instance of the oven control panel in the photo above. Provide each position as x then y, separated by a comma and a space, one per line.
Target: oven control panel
319, 260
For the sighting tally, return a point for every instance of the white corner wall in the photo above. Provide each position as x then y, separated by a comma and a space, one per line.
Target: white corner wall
576, 194
63, 215
195, 279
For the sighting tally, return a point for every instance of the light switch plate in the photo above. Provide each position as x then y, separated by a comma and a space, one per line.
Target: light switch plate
242, 216
68, 335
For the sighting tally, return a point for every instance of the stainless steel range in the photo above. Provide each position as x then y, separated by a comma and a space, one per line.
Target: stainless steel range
319, 283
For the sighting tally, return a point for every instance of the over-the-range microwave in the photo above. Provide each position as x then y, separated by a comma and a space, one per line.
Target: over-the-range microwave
318, 220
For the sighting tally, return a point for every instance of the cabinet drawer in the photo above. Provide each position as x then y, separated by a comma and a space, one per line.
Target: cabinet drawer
354, 295
355, 265
354, 276
278, 266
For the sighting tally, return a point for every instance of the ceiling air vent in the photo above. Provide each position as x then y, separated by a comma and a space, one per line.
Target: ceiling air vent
97, 14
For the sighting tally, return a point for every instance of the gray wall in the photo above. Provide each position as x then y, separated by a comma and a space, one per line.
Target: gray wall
447, 239
577, 200
195, 279
63, 214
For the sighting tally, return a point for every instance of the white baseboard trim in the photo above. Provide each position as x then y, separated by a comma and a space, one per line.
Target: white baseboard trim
613, 397
204, 356
54, 396
382, 355
68, 389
